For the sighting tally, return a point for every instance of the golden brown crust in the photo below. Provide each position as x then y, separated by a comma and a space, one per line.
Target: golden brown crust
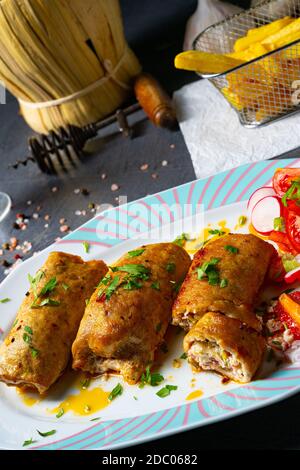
245, 272
50, 330
122, 333
244, 344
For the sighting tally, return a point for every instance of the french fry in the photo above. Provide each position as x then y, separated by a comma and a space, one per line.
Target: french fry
283, 37
259, 34
206, 63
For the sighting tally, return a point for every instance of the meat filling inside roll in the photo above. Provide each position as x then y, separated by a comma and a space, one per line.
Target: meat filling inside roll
224, 345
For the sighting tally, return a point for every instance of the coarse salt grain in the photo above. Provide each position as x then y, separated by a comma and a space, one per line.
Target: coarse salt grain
164, 163
77, 191
115, 187
144, 167
54, 189
62, 221
64, 228
103, 176
35, 216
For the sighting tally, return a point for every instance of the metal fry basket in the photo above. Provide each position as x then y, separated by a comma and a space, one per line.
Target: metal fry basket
264, 89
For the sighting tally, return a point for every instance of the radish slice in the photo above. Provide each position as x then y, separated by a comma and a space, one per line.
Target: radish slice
292, 276
258, 195
264, 213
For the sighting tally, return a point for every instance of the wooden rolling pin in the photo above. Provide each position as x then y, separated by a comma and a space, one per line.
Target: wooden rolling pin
155, 101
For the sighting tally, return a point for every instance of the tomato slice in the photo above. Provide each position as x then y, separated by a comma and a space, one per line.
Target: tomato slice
283, 242
293, 206
283, 178
292, 226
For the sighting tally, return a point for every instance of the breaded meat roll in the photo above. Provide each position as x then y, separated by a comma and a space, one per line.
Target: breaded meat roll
128, 315
38, 347
224, 345
225, 276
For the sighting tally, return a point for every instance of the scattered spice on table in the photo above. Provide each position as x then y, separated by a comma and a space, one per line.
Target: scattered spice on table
64, 228
115, 187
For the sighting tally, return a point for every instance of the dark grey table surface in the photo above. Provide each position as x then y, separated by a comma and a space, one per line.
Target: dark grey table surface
155, 30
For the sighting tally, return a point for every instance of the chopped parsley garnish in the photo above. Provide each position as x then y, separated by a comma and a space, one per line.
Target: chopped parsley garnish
224, 283
4, 301
242, 220
292, 193
28, 330
136, 270
85, 383
135, 398
112, 287
86, 247
95, 419
28, 442
34, 352
49, 302
46, 434
15, 322
60, 413
105, 280
165, 391
155, 285
148, 378
48, 287
27, 338
135, 274
158, 327
231, 249
87, 301
183, 356
134, 253
279, 224
170, 267
118, 390
209, 270
65, 286
181, 239
35, 280
216, 232
132, 283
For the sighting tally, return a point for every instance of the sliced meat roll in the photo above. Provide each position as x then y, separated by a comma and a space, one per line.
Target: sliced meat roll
128, 314
38, 347
224, 345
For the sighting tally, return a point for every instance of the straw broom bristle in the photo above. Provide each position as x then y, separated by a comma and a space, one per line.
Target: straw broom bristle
53, 49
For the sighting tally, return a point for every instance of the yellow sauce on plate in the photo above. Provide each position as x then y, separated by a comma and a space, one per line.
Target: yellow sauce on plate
192, 246
29, 399
194, 394
85, 403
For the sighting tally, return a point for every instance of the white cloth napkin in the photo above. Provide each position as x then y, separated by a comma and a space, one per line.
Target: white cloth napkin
215, 138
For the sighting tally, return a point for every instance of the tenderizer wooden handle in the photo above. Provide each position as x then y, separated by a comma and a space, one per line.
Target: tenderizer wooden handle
155, 101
